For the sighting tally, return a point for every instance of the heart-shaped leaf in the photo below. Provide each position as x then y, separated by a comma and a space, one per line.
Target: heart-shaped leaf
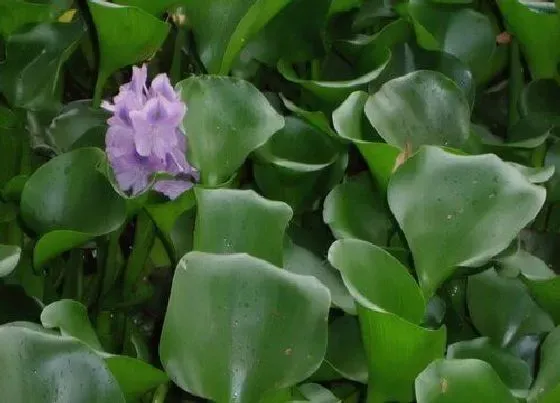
461, 381
458, 210
420, 108
69, 201
355, 209
30, 75
377, 280
514, 314
227, 119
237, 327
127, 35
54, 368
233, 221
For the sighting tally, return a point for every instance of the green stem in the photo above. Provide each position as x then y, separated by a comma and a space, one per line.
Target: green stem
515, 82
180, 40
74, 277
374, 395
101, 80
144, 238
161, 393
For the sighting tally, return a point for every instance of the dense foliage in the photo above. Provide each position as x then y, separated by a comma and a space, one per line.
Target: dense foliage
364, 207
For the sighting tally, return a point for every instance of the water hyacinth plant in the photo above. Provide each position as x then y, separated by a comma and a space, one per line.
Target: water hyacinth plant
274, 201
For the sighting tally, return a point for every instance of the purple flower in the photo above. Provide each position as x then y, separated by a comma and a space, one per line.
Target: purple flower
144, 136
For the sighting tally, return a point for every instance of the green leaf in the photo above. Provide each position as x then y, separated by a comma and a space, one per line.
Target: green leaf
316, 393
397, 351
298, 165
155, 7
134, 376
234, 221
31, 73
355, 209
68, 201
41, 366
513, 314
458, 226
461, 381
334, 92
299, 260
529, 28
15, 14
237, 327
420, 108
546, 388
127, 35
377, 280
238, 21
552, 158
71, 317
315, 118
78, 125
306, 19
227, 119
513, 371
345, 350
9, 258
443, 28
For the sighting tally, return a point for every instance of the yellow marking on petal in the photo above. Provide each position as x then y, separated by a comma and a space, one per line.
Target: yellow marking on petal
68, 16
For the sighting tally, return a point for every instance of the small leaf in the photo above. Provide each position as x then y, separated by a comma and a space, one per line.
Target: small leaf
458, 210
461, 381
9, 258
514, 372
416, 109
355, 209
233, 221
513, 315
71, 317
237, 327
127, 35
377, 280
227, 119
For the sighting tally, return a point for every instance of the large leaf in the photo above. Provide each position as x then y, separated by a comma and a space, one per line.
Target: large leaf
443, 28
127, 35
223, 27
234, 221
513, 314
420, 108
237, 327
377, 280
546, 388
227, 119
155, 7
458, 210
30, 75
529, 28
9, 258
41, 366
461, 381
299, 260
513, 371
355, 209
298, 165
69, 201
397, 352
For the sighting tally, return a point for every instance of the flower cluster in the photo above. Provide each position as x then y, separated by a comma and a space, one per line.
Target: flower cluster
144, 136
